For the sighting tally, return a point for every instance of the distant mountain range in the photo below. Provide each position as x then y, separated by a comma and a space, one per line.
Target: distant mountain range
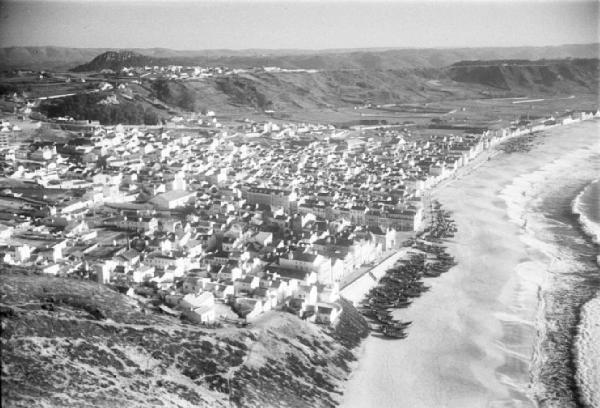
60, 58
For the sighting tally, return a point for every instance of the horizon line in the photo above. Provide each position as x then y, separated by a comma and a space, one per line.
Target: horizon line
398, 47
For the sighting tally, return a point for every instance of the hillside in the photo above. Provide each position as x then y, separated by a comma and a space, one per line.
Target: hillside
76, 343
107, 109
343, 59
115, 60
544, 76
339, 88
60, 58
330, 89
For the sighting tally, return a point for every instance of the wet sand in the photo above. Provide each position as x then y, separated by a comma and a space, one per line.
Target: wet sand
473, 338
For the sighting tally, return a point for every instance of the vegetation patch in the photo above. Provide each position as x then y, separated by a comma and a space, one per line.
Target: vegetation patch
63, 357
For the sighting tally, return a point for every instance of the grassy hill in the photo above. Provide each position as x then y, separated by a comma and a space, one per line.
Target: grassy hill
75, 343
154, 100
346, 88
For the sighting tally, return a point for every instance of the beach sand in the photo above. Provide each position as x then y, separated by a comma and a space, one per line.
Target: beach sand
473, 338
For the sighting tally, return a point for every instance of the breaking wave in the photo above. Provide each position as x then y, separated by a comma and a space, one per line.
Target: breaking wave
586, 206
587, 342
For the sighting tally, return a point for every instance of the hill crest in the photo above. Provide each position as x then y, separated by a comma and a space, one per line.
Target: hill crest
115, 60
63, 58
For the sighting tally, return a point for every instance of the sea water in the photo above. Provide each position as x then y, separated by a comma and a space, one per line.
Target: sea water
572, 279
587, 343
554, 205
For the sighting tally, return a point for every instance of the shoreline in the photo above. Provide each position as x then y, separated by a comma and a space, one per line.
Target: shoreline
587, 340
586, 344
513, 285
488, 153
485, 155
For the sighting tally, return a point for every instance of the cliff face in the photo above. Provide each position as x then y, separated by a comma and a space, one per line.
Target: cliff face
75, 343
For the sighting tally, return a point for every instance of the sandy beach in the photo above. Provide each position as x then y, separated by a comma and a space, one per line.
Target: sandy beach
473, 338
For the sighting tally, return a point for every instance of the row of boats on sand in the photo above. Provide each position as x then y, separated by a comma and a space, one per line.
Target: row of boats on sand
402, 283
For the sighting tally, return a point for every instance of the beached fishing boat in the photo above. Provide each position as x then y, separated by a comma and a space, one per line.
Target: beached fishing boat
403, 304
393, 332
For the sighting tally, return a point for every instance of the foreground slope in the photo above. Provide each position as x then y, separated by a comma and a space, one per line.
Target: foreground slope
76, 343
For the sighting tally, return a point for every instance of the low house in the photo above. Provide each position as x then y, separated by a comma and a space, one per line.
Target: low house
246, 284
142, 273
327, 313
230, 243
301, 276
248, 308
303, 261
128, 258
194, 283
173, 199
191, 301
194, 247
164, 261
308, 293
199, 308
176, 270
51, 269
221, 290
145, 224
229, 272
281, 288
303, 300
329, 293
204, 314
262, 238
269, 297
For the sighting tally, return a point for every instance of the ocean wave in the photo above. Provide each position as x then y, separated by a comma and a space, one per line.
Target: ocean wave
524, 198
587, 342
587, 353
578, 207
521, 193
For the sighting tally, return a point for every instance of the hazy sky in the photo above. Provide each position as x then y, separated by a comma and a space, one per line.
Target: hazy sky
213, 24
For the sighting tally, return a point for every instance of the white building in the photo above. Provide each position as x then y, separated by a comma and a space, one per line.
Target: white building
173, 199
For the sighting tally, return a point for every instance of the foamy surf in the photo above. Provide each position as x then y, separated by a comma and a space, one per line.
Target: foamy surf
584, 209
524, 197
587, 352
587, 343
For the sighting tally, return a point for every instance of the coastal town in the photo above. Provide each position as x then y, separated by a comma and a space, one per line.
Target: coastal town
220, 221
299, 204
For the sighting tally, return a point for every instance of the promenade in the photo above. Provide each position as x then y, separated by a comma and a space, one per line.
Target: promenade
354, 289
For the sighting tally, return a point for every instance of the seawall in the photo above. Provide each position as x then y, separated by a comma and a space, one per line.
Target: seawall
357, 290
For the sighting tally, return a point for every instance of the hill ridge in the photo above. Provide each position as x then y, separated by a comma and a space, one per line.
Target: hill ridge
64, 58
